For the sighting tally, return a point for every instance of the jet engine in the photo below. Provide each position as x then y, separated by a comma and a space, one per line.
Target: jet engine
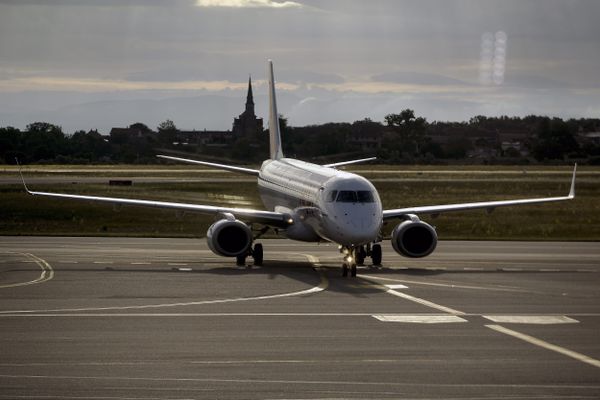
414, 238
229, 238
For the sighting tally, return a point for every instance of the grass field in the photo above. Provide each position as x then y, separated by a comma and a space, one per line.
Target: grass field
398, 186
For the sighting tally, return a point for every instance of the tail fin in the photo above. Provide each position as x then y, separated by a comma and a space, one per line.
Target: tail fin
274, 133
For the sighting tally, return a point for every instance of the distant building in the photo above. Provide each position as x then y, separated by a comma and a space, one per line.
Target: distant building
588, 138
204, 137
137, 130
247, 124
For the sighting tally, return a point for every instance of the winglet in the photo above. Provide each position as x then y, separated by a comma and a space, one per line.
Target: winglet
572, 191
22, 179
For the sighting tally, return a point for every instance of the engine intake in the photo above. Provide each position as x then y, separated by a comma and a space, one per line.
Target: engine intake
414, 239
229, 238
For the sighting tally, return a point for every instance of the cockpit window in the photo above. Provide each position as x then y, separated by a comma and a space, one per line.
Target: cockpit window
365, 196
350, 196
332, 195
346, 196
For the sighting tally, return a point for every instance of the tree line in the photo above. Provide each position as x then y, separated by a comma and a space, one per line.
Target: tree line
400, 138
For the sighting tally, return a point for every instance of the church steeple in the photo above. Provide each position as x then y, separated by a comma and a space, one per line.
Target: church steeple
250, 98
247, 124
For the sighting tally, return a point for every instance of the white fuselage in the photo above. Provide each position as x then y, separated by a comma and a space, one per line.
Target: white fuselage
325, 203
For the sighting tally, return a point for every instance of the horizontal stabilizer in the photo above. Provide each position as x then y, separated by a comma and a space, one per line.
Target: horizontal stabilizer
339, 164
247, 171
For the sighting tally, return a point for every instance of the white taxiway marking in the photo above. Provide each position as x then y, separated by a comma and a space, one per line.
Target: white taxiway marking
296, 382
420, 319
546, 345
398, 286
449, 284
531, 319
46, 275
314, 260
405, 296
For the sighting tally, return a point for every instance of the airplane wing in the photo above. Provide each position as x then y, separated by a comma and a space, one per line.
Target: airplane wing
488, 205
270, 218
247, 171
340, 164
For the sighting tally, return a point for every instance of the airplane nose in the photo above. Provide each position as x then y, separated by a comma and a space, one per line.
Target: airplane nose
366, 230
356, 231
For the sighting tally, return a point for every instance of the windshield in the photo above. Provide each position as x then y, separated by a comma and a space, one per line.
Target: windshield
351, 196
332, 195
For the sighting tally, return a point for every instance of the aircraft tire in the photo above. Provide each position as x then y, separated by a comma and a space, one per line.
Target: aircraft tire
353, 270
257, 254
240, 260
360, 255
376, 254
345, 270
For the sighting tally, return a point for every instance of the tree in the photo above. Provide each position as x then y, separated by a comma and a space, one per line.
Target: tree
44, 141
554, 140
167, 132
10, 139
410, 131
90, 146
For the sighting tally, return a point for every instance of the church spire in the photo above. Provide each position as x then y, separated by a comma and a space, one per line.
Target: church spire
250, 98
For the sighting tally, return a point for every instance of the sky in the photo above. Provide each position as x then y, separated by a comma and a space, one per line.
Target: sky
97, 64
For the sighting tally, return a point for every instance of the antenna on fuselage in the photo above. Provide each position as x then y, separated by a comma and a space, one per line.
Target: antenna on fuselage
274, 133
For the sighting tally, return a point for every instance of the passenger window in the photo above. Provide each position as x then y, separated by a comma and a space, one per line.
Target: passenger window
346, 196
332, 195
365, 196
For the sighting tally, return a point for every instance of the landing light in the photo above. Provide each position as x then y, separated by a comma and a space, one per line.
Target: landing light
349, 259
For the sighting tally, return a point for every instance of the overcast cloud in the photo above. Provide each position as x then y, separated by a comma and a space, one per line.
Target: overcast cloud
103, 63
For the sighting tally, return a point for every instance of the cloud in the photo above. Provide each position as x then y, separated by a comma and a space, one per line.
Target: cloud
94, 3
416, 78
248, 4
93, 85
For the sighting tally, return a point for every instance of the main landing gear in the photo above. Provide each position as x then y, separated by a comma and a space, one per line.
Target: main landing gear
255, 252
356, 255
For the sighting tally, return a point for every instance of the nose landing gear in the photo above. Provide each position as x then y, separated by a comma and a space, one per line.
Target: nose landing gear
350, 259
356, 255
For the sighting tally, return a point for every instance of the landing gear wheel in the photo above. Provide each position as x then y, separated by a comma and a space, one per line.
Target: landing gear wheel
353, 270
360, 255
240, 260
257, 254
345, 270
376, 254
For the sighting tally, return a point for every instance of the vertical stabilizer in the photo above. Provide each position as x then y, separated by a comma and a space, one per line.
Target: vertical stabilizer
274, 133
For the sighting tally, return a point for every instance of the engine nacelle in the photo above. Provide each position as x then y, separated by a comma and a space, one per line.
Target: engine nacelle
414, 239
229, 238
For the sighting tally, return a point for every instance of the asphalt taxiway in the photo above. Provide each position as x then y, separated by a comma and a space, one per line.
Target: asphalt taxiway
126, 318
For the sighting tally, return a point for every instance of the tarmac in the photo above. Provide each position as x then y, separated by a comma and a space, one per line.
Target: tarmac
131, 318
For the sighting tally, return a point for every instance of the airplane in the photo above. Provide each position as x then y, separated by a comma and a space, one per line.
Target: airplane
313, 203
